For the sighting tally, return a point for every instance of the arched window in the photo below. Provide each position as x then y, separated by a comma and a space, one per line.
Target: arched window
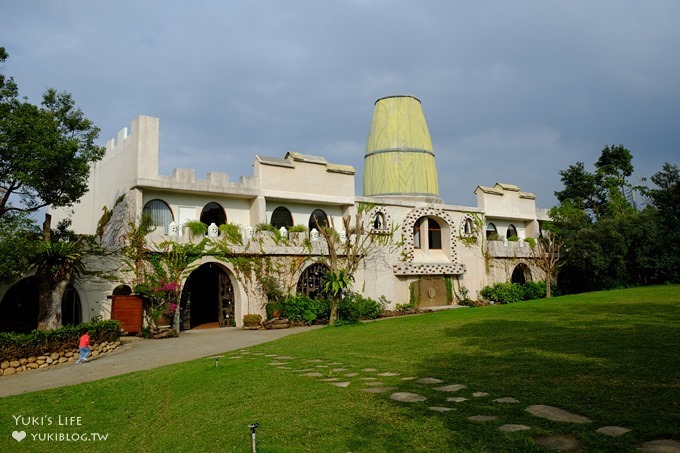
160, 214
521, 274
416, 233
512, 232
213, 213
434, 234
318, 219
281, 217
468, 227
491, 232
379, 221
311, 281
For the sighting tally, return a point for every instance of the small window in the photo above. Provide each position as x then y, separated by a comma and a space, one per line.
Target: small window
491, 232
468, 227
160, 214
318, 220
281, 217
512, 232
379, 221
213, 213
434, 234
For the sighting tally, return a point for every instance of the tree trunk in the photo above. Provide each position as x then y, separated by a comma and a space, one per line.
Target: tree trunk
49, 300
334, 311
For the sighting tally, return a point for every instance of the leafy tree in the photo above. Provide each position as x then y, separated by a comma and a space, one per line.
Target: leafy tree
45, 151
346, 254
18, 241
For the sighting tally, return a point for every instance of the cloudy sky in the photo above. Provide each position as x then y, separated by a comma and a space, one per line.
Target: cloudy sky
513, 91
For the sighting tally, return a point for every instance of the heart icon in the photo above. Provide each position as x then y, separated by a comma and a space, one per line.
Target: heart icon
19, 435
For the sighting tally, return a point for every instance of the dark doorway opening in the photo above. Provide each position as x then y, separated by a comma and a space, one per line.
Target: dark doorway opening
207, 298
521, 274
19, 308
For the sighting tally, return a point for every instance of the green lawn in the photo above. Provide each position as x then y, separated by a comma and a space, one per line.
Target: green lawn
611, 356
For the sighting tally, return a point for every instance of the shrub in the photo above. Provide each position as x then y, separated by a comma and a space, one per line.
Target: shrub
38, 342
508, 293
252, 320
302, 308
354, 307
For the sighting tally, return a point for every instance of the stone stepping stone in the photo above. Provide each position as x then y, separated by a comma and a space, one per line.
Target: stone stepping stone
512, 428
388, 374
338, 370
406, 397
456, 399
429, 380
285, 357
276, 363
661, 446
248, 352
314, 360
440, 408
313, 374
558, 442
480, 394
373, 383
352, 374
258, 353
284, 367
409, 378
483, 418
507, 399
335, 363
331, 379
343, 384
368, 379
368, 370
322, 366
378, 389
450, 388
613, 431
304, 370
556, 414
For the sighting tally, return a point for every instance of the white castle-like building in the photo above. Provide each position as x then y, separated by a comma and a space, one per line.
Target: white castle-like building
440, 248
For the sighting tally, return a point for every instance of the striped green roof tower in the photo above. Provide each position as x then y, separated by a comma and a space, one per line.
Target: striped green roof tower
399, 160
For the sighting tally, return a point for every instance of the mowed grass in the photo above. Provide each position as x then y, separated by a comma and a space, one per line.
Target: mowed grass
611, 356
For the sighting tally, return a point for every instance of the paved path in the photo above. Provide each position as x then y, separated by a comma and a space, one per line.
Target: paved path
137, 354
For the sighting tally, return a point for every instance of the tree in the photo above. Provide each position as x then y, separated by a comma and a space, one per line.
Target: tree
345, 254
547, 253
45, 151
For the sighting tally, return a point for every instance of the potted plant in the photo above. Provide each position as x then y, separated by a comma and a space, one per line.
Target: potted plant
252, 321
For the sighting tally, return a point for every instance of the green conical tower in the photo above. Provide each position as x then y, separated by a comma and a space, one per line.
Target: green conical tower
399, 160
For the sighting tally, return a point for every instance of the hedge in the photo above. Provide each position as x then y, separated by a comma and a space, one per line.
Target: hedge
38, 342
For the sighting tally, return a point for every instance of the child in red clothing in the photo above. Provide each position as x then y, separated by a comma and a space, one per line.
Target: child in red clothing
84, 347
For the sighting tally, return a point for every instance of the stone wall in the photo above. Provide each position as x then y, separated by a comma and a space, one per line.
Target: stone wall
51, 359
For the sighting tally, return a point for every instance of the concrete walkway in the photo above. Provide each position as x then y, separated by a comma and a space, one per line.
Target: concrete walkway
137, 354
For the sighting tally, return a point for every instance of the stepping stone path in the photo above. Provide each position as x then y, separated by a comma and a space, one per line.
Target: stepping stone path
429, 380
483, 418
378, 389
506, 400
450, 388
406, 397
558, 442
613, 431
556, 414
512, 428
661, 446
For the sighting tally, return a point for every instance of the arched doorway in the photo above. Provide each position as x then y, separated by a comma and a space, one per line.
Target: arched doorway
310, 283
19, 308
521, 274
208, 298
